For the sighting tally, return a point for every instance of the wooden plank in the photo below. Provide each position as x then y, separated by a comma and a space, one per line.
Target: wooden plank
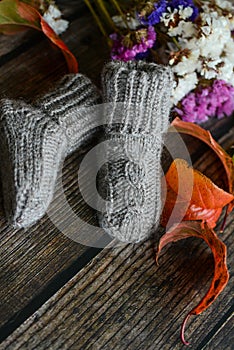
9, 44
30, 259
224, 337
38, 68
121, 300
38, 261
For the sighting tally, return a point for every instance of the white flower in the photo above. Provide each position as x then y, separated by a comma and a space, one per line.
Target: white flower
185, 12
209, 69
208, 16
206, 30
225, 5
53, 17
229, 50
188, 64
225, 71
169, 16
184, 29
209, 47
215, 34
231, 22
133, 23
209, 74
184, 86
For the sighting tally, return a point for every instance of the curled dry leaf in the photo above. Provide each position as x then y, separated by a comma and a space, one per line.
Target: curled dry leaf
54, 38
204, 201
220, 278
205, 136
17, 16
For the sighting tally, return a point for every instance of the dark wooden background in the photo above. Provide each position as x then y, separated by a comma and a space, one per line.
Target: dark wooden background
58, 294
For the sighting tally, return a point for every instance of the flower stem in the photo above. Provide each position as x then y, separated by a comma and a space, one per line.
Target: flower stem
176, 43
104, 11
99, 23
118, 8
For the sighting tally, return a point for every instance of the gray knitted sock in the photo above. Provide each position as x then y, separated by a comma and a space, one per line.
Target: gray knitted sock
35, 140
70, 105
138, 97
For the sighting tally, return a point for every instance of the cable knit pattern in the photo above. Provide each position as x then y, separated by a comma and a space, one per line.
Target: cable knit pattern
36, 139
137, 113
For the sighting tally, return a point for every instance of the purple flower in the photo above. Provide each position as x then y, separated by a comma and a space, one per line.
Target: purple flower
174, 4
154, 17
123, 52
216, 100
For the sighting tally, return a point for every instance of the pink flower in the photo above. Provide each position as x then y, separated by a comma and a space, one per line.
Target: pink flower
216, 100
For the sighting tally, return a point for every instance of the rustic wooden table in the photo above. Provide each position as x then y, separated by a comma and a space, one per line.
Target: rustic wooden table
58, 294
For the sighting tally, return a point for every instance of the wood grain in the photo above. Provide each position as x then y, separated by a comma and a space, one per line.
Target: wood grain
223, 336
36, 262
35, 70
122, 300
13, 45
30, 259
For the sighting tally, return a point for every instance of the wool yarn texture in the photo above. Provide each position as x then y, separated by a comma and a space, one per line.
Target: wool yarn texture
35, 139
138, 101
73, 106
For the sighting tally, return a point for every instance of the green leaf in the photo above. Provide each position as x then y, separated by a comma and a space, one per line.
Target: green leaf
14, 17
17, 15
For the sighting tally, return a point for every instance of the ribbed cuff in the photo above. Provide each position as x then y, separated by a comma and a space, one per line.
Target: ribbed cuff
72, 92
138, 96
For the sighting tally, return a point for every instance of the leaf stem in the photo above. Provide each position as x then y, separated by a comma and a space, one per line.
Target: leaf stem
182, 331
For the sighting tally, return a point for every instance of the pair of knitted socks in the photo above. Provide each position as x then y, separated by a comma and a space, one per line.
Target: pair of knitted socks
35, 140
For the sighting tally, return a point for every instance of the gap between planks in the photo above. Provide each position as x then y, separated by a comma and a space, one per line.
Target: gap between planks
48, 321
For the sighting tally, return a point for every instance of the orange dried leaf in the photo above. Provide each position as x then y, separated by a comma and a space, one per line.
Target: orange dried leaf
205, 136
70, 58
203, 201
218, 248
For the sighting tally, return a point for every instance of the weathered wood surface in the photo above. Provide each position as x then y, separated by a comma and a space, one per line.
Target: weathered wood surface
33, 71
35, 263
122, 300
31, 259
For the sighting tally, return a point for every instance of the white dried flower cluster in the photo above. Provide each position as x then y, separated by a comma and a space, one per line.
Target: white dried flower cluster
225, 5
169, 17
53, 17
206, 49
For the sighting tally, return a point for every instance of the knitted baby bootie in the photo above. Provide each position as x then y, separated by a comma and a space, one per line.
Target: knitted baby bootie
137, 114
34, 142
73, 106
